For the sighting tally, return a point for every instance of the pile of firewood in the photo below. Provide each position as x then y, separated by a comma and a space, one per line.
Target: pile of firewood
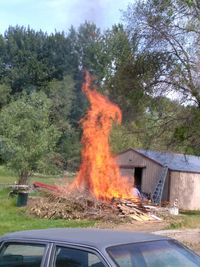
135, 210
73, 207
84, 206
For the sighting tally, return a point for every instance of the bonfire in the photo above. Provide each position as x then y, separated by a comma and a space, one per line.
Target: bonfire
99, 173
98, 189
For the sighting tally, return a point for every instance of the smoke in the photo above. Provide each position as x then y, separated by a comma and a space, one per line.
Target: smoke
91, 10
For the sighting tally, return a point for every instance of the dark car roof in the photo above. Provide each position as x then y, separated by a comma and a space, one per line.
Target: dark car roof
96, 238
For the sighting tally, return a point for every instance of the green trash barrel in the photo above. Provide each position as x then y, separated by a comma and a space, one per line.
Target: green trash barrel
22, 199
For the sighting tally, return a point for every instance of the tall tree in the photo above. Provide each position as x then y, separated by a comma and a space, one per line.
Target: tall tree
171, 28
4, 94
62, 94
87, 46
128, 72
22, 67
27, 137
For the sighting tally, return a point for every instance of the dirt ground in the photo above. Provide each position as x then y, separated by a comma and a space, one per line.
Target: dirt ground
189, 237
135, 226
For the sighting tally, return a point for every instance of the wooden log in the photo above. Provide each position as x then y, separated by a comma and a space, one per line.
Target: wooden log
134, 213
145, 217
156, 217
135, 217
130, 210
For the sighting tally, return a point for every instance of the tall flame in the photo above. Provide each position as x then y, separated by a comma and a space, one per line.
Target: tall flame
99, 173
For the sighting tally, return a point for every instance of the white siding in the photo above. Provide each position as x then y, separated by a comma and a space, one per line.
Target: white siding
185, 187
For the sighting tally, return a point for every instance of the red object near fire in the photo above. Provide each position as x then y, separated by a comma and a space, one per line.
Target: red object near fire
49, 187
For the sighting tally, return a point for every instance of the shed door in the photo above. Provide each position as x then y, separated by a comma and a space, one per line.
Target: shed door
138, 178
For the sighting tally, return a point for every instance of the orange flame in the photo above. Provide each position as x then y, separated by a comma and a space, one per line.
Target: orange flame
99, 173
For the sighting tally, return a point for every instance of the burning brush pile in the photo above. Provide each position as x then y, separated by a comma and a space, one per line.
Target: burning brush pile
85, 206
98, 191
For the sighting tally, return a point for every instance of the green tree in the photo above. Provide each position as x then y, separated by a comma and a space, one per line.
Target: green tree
186, 135
129, 73
22, 59
27, 137
125, 136
62, 94
161, 118
30, 59
87, 48
171, 29
5, 91
91, 47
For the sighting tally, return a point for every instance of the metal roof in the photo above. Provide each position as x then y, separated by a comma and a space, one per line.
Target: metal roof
96, 238
176, 162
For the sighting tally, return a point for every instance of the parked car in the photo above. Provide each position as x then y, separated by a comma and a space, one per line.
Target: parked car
92, 248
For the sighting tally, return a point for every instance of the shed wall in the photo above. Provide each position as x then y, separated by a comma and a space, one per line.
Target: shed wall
185, 187
130, 159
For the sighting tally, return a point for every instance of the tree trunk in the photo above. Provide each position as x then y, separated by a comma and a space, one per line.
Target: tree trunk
23, 178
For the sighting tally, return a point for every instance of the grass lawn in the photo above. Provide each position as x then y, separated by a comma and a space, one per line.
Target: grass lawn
9, 177
13, 218
187, 219
6, 176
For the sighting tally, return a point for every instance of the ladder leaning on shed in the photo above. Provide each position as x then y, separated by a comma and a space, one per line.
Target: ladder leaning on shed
157, 194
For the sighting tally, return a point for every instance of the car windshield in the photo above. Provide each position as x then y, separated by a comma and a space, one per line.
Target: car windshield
164, 253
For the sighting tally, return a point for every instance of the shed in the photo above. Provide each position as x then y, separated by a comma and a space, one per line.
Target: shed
182, 181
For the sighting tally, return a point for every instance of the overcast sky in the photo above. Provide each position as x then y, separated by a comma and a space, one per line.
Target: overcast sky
49, 15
